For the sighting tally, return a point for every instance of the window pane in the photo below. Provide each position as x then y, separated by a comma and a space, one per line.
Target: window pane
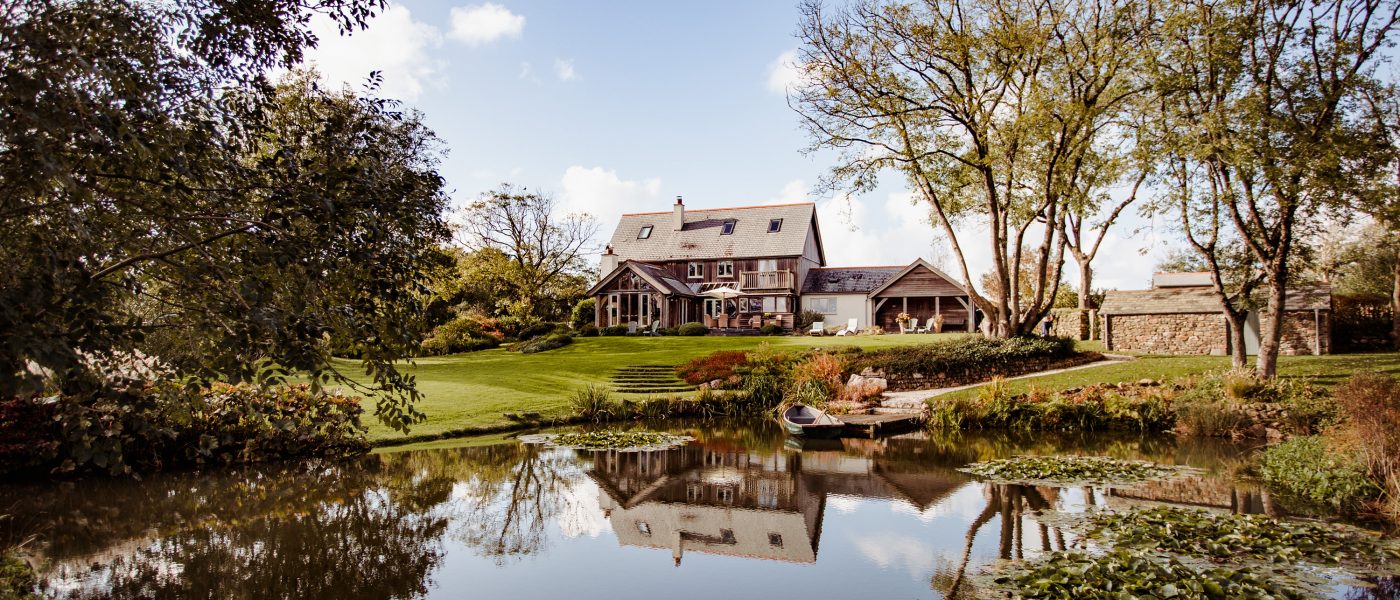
727, 228
775, 225
644, 233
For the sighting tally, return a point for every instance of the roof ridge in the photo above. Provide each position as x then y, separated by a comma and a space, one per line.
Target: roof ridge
860, 267
751, 207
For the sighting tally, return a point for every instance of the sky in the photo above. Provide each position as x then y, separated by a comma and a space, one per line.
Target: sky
617, 107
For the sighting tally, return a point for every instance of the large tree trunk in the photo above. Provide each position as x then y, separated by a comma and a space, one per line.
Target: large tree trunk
1086, 277
1395, 301
1238, 358
1271, 329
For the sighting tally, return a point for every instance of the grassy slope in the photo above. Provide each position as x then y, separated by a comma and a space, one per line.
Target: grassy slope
1328, 370
473, 390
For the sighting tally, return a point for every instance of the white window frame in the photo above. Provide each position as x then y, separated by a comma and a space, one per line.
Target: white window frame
695, 270
818, 304
724, 269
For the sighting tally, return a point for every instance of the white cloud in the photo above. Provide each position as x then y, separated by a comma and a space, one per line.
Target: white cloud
564, 69
893, 550
394, 44
793, 191
784, 72
527, 72
601, 193
485, 23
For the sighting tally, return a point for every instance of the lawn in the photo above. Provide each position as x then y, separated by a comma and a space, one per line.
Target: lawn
1328, 370
472, 391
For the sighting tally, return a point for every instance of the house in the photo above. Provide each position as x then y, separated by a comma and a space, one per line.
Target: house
1182, 315
674, 267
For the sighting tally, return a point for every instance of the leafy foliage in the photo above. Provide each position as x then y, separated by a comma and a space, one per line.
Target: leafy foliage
1072, 470
1126, 574
1096, 407
545, 343
16, 577
163, 198
962, 356
1235, 537
462, 334
718, 366
584, 313
1309, 468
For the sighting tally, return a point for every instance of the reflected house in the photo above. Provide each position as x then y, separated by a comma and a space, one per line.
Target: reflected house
735, 503
728, 503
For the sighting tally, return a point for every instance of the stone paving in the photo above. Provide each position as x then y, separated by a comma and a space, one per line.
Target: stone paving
913, 400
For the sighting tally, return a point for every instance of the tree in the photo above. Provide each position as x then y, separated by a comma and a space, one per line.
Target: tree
547, 252
996, 111
158, 193
1266, 107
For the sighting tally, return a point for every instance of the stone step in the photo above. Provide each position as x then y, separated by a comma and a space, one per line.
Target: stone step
886, 410
903, 403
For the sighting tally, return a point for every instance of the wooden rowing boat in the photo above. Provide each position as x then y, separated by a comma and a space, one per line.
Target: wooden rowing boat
800, 419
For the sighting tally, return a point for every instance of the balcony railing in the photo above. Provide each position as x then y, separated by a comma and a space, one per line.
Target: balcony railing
765, 280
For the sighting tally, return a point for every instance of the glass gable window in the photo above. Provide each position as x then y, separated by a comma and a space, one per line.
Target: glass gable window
775, 226
727, 228
644, 233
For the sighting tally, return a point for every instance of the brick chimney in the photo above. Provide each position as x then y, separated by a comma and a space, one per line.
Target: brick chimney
609, 262
678, 214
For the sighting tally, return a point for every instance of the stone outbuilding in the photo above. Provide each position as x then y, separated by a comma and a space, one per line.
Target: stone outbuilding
1181, 315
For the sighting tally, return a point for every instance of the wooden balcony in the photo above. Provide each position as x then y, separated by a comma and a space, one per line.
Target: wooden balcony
750, 281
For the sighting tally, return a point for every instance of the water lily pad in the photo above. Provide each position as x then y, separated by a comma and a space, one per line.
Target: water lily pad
1074, 470
1124, 573
609, 440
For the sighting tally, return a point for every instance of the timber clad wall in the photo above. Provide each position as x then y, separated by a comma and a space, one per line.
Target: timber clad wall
921, 282
1167, 334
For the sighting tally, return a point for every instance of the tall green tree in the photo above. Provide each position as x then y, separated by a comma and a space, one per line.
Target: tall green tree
159, 195
1007, 113
1266, 101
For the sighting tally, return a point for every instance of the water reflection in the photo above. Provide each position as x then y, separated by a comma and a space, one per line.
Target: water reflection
524, 521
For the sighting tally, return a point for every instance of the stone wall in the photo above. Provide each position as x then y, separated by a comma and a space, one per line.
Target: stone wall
1206, 333
1167, 334
1075, 324
1298, 332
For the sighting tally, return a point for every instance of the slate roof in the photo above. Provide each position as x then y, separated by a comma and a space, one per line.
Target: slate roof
847, 280
700, 237
1187, 300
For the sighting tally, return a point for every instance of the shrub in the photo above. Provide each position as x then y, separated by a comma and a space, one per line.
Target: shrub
816, 380
25, 441
802, 321
668, 331
593, 402
615, 330
1371, 403
463, 334
1309, 468
1240, 386
549, 342
693, 329
963, 357
158, 427
719, 365
771, 329
589, 330
584, 313
536, 329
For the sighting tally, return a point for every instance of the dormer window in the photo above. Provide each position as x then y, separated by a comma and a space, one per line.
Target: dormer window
727, 228
775, 225
644, 233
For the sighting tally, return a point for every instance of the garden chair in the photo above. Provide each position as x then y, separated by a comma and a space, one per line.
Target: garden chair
850, 328
818, 328
755, 322
928, 323
910, 327
631, 328
655, 328
724, 321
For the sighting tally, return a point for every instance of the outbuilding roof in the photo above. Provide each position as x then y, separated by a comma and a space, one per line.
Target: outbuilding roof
847, 280
1188, 300
702, 235
659, 278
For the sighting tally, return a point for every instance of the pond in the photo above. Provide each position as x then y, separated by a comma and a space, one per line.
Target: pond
740, 511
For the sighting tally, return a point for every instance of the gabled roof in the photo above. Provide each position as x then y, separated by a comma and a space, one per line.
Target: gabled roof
846, 280
659, 278
918, 262
1195, 300
700, 237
